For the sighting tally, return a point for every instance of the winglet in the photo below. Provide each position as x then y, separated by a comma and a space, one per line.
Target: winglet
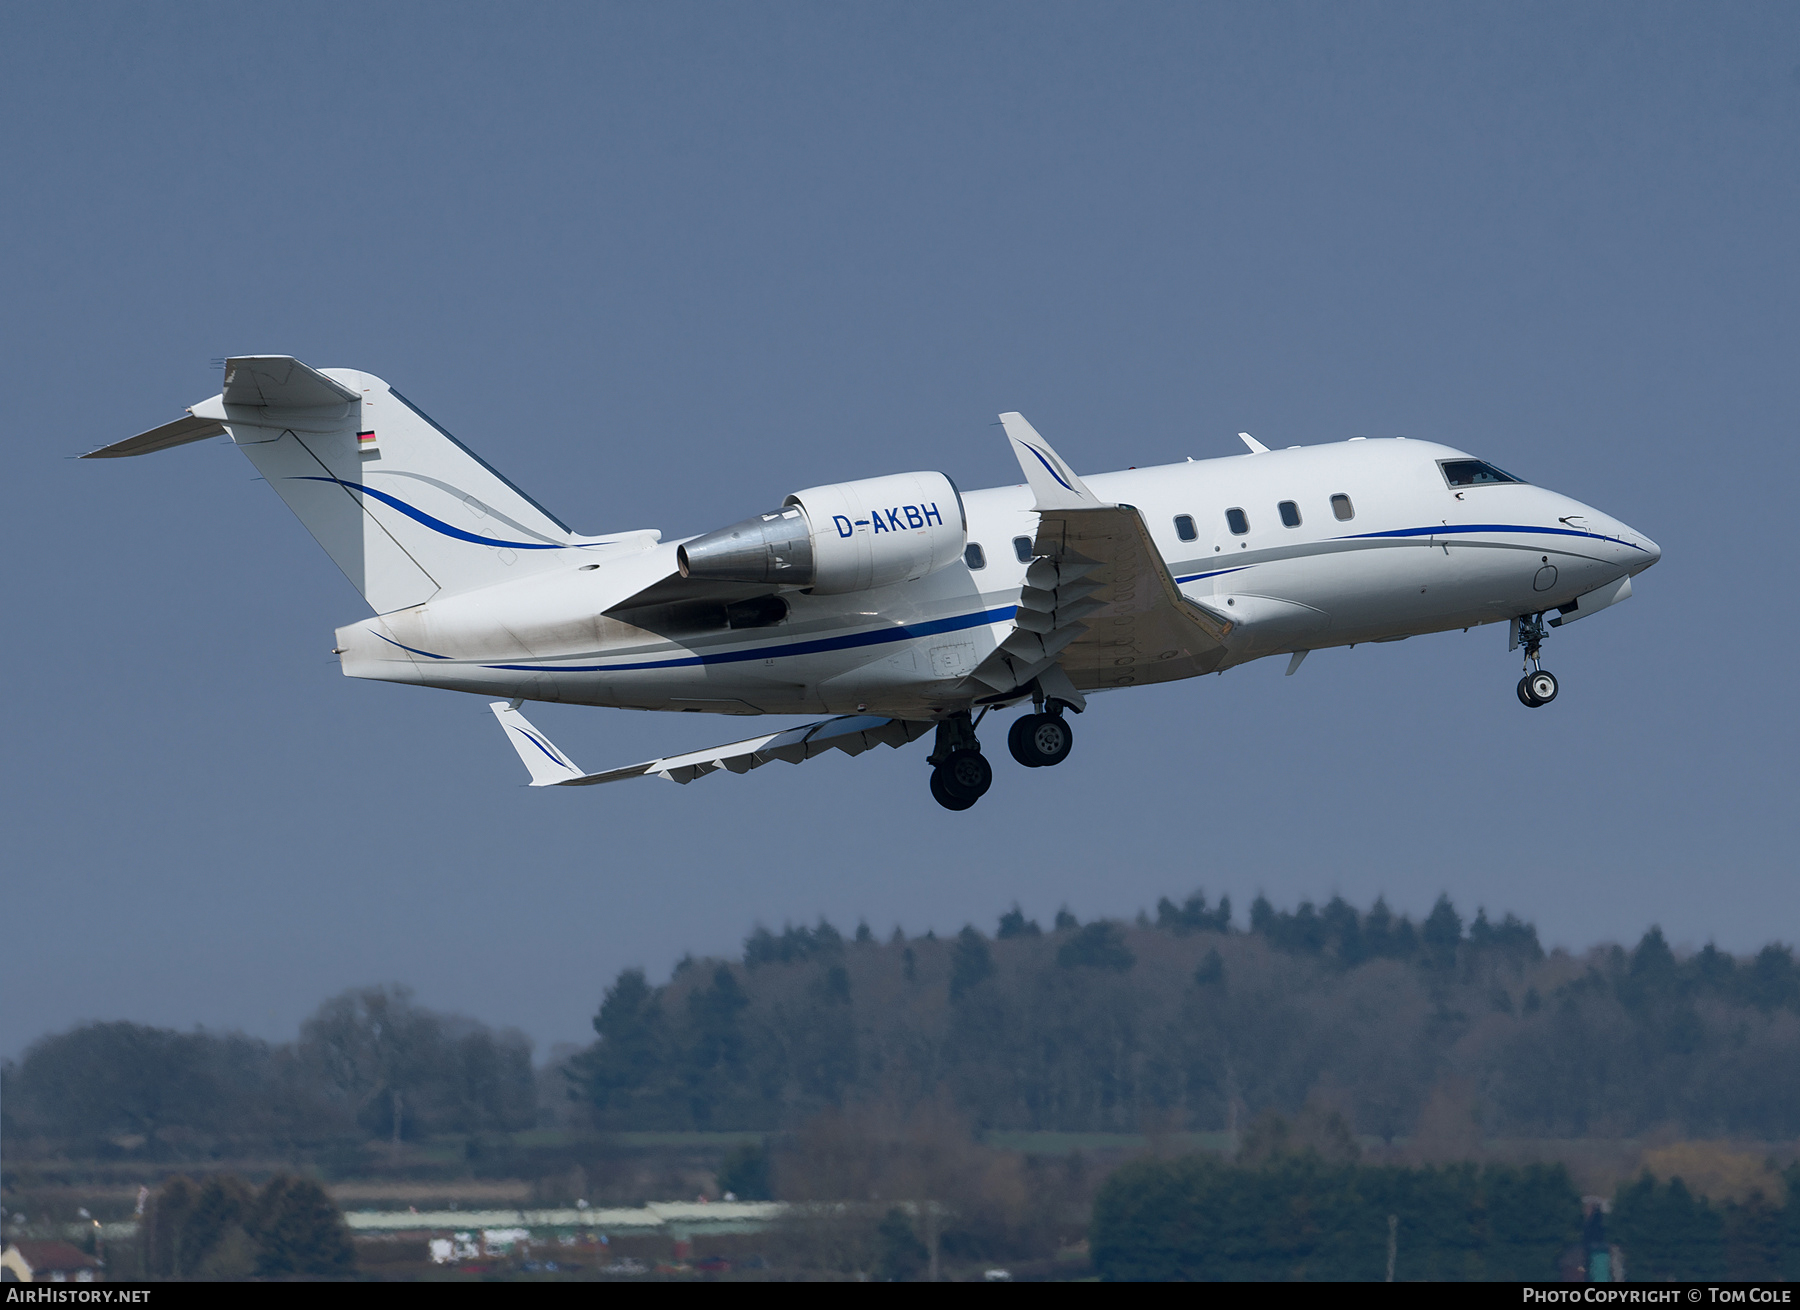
1053, 482
1256, 447
548, 766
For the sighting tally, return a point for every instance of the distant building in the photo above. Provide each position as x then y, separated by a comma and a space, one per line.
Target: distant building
452, 1236
48, 1262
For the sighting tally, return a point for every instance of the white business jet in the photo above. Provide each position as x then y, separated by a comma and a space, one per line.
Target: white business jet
898, 604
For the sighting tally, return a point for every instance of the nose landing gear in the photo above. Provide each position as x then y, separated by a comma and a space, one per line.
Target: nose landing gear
1537, 689
1538, 686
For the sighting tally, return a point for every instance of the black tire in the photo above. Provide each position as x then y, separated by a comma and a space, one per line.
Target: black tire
1525, 696
1050, 739
1016, 741
966, 773
943, 797
1039, 741
1543, 687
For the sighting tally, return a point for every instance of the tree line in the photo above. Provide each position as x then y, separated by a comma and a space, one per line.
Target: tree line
1302, 1217
368, 1063
1182, 1020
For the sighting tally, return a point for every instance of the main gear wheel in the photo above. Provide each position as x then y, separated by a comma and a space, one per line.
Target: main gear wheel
962, 779
1039, 741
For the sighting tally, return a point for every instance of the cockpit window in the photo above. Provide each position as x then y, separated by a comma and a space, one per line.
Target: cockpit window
1473, 472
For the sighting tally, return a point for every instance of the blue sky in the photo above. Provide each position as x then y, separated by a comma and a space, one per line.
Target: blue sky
662, 264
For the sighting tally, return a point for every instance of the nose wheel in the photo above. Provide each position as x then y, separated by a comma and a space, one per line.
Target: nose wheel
1538, 686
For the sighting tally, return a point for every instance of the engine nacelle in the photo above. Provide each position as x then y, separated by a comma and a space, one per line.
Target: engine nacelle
848, 536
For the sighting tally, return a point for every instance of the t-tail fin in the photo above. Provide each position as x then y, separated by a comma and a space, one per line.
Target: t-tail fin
403, 507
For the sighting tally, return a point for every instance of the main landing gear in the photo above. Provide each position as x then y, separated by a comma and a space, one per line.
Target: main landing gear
961, 774
1538, 686
1040, 740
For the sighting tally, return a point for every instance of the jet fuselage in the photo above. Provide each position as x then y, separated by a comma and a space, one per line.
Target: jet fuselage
1352, 542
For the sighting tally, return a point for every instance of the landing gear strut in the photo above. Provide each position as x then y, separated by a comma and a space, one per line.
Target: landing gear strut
960, 773
1538, 686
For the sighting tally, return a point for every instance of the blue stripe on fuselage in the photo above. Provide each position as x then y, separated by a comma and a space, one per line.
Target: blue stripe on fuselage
958, 622
1449, 529
414, 649
814, 647
1442, 530
1195, 577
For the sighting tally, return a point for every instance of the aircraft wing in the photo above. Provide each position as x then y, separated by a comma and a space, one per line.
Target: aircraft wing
853, 734
1099, 604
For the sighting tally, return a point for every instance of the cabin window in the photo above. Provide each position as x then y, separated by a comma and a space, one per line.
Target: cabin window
1290, 513
1022, 548
1184, 527
974, 557
1341, 508
1472, 473
1237, 522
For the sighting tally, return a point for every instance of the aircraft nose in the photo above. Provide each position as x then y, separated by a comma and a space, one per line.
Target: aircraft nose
1652, 551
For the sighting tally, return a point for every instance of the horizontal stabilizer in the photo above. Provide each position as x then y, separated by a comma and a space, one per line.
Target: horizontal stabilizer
853, 734
168, 436
281, 381
404, 508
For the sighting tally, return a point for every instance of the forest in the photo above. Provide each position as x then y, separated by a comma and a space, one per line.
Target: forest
1182, 1020
1178, 1020
1301, 1216
368, 1064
